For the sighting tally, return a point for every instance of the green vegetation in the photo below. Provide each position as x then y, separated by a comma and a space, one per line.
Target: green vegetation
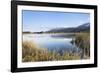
32, 53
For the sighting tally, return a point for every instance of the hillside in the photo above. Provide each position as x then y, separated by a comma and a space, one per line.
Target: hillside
82, 28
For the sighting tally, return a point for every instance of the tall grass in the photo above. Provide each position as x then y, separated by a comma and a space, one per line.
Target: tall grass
32, 53
82, 40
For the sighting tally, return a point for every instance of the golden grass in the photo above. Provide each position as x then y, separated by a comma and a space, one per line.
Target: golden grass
32, 53
82, 40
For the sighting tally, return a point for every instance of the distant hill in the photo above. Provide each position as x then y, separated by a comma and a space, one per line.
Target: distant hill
25, 32
84, 25
82, 28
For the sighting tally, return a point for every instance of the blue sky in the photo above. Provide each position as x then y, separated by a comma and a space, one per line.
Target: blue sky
36, 21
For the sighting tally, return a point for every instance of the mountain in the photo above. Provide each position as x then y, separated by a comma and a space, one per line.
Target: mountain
84, 25
82, 28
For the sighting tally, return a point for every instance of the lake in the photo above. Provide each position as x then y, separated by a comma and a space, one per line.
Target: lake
53, 42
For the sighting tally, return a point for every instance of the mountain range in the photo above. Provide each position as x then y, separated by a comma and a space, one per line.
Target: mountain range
81, 28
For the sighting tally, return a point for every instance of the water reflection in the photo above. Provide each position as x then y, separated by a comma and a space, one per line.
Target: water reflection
53, 42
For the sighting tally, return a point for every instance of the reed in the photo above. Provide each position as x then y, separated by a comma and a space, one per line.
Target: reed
82, 40
32, 53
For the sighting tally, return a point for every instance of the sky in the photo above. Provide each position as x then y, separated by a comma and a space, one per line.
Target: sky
36, 21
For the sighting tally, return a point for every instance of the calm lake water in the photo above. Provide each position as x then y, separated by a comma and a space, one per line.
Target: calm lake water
52, 42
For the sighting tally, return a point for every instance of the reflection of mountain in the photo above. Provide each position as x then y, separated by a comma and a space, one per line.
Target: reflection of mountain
82, 28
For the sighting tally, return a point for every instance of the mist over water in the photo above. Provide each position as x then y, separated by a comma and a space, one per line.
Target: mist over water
52, 42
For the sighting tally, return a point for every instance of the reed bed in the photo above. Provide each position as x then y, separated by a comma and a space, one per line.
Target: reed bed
82, 40
32, 53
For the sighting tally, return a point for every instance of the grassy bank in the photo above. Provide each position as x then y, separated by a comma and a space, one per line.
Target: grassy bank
32, 53
82, 40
